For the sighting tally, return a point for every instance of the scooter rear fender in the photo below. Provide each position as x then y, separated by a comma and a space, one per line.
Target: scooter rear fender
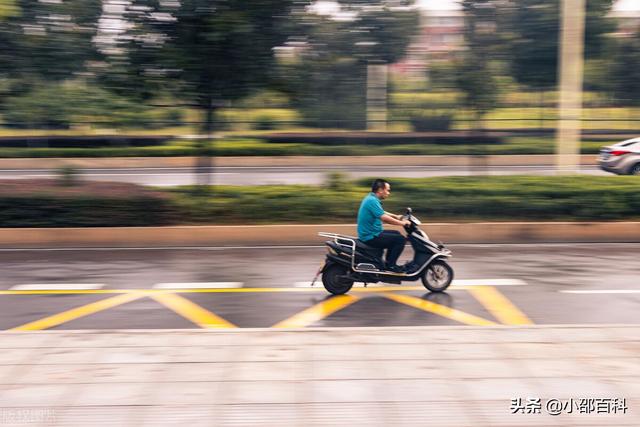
336, 259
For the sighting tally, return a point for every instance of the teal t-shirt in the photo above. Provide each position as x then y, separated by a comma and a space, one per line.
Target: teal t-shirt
369, 222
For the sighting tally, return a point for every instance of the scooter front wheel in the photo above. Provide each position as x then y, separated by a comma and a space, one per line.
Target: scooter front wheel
334, 280
437, 276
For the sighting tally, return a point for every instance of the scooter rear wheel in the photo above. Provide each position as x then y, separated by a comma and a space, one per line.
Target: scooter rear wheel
437, 276
334, 281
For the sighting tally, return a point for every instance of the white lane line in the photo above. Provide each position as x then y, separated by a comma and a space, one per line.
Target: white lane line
479, 282
199, 285
56, 286
488, 282
604, 291
355, 284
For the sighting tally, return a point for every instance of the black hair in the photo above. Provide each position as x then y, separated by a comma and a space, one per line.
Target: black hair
378, 184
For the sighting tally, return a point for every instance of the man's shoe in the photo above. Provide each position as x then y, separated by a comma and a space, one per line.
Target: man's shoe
395, 269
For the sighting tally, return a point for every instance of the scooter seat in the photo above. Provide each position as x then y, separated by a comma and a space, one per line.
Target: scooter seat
360, 245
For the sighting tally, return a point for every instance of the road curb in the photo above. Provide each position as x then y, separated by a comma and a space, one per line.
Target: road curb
289, 161
263, 235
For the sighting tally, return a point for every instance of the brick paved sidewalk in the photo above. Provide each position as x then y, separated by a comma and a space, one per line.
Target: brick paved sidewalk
437, 376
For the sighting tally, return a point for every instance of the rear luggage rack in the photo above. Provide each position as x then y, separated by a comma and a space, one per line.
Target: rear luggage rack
347, 241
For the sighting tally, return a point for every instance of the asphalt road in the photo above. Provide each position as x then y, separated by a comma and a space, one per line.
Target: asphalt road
269, 287
166, 177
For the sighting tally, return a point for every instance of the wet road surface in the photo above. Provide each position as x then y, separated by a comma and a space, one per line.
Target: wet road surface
269, 287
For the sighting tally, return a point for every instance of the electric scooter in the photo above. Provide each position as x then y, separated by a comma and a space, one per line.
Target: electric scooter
349, 260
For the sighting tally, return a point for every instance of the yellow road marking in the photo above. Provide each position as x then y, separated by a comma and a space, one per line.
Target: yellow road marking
191, 311
488, 296
441, 310
498, 305
317, 312
75, 313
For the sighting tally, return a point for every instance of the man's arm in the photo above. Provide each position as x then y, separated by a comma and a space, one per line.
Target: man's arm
389, 219
398, 217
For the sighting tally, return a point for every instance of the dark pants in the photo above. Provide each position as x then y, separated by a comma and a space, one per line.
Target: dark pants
393, 241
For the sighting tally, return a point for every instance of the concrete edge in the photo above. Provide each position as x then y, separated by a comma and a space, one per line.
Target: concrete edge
333, 330
289, 161
280, 235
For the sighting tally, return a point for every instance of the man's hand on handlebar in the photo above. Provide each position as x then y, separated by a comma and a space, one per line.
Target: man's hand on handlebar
404, 220
395, 219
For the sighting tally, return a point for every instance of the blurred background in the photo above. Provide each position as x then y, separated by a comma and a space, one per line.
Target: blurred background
183, 67
205, 80
127, 112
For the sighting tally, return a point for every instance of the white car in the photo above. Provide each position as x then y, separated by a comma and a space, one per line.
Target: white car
622, 158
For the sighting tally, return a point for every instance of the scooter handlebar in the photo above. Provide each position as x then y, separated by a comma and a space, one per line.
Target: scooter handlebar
412, 219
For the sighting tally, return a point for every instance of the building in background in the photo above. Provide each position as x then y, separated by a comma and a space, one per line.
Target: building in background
440, 38
442, 33
628, 21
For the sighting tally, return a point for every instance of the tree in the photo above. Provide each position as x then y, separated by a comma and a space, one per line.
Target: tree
211, 52
534, 26
475, 76
477, 83
327, 79
46, 41
207, 52
625, 75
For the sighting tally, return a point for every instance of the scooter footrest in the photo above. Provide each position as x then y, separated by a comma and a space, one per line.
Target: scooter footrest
366, 266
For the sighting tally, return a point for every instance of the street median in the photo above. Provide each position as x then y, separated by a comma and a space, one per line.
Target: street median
521, 209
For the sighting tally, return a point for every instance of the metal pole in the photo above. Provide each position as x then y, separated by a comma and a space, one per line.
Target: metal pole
570, 76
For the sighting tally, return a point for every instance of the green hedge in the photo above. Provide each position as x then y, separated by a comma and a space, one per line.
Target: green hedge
521, 198
160, 151
375, 138
514, 145
268, 204
490, 198
89, 141
61, 105
87, 211
257, 119
50, 203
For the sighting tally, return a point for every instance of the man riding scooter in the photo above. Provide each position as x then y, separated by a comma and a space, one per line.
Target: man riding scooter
371, 215
350, 259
